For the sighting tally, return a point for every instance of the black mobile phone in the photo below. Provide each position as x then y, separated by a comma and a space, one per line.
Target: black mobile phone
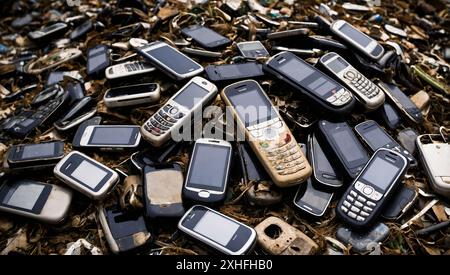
218, 231
78, 112
110, 137
375, 137
234, 71
48, 32
80, 130
390, 116
251, 168
98, 60
81, 30
323, 170
343, 144
311, 200
401, 101
41, 154
208, 172
288, 33
311, 82
400, 203
47, 94
205, 37
362, 242
163, 184
366, 197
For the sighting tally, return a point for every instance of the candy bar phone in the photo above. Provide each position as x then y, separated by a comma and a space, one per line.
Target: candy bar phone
111, 137
128, 69
252, 49
40, 154
97, 60
132, 95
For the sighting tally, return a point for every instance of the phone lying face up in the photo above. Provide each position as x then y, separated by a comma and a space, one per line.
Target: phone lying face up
110, 137
267, 133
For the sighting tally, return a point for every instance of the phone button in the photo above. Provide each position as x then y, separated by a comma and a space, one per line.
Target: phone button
368, 190
350, 75
174, 110
203, 194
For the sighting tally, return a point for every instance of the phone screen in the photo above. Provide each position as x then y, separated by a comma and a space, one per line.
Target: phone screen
89, 174
43, 150
376, 138
216, 228
191, 95
314, 198
380, 173
113, 136
355, 34
346, 142
24, 196
204, 35
173, 59
97, 59
337, 65
208, 168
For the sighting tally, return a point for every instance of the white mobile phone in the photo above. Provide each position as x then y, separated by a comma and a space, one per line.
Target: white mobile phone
128, 69
132, 95
111, 136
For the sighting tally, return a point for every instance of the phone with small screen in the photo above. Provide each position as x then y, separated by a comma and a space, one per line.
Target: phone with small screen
207, 175
40, 154
132, 95
217, 231
110, 137
234, 71
97, 60
36, 200
252, 49
312, 200
86, 175
128, 69
205, 37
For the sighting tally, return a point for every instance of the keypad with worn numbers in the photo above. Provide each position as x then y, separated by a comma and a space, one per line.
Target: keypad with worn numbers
161, 121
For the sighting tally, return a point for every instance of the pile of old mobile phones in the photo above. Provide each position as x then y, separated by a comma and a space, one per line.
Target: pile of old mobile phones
178, 110
367, 93
125, 231
48, 32
163, 184
109, 137
37, 200
267, 133
252, 49
341, 143
234, 71
357, 39
311, 82
205, 37
86, 175
97, 60
34, 156
170, 61
366, 197
217, 231
375, 137
128, 69
131, 95
208, 172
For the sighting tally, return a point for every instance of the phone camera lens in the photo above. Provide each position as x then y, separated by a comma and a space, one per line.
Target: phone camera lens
204, 82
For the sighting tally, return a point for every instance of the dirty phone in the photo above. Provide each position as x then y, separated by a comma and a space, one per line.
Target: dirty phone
128, 69
124, 230
130, 95
163, 185
311, 82
178, 110
401, 101
170, 61
36, 200
362, 242
40, 154
48, 31
208, 171
252, 49
365, 198
390, 116
400, 203
367, 93
323, 170
359, 40
376, 137
205, 37
97, 60
312, 200
214, 229
343, 144
110, 137
86, 175
234, 71
267, 133
434, 153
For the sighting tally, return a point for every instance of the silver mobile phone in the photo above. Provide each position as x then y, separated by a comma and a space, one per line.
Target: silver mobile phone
128, 69
132, 95
111, 136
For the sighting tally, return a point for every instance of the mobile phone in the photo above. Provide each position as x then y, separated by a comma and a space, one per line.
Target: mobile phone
214, 229
200, 52
267, 133
400, 203
128, 69
51, 60
375, 137
37, 200
124, 230
82, 127
252, 49
163, 184
234, 71
323, 170
402, 101
40, 154
344, 145
302, 52
251, 168
111, 136
78, 112
132, 95
170, 61
361, 242
81, 30
47, 94
48, 32
359, 40
178, 110
312, 200
311, 82
434, 153
325, 43
288, 33
365, 198
390, 116
97, 60
367, 93
205, 37
207, 175
58, 76
86, 175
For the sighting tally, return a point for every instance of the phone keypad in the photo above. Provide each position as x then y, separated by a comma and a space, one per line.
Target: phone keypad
340, 98
362, 84
161, 121
360, 202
